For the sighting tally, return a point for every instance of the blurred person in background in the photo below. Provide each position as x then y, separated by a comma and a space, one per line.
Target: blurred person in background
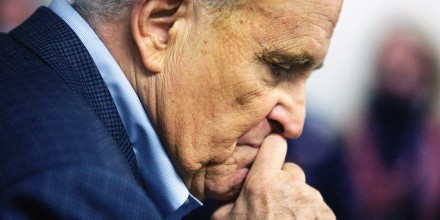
14, 12
392, 150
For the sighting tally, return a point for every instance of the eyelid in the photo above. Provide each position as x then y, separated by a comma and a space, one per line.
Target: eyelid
282, 70
285, 66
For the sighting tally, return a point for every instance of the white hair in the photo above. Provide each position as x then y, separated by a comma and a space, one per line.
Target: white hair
115, 10
102, 10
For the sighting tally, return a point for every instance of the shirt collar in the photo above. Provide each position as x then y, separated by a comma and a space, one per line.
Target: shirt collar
160, 176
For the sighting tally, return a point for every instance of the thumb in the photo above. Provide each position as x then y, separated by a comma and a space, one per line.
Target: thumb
271, 154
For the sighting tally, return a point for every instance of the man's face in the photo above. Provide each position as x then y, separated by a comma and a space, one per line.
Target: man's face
232, 81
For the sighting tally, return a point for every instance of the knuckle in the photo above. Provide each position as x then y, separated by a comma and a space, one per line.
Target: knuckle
306, 194
256, 188
316, 194
264, 184
295, 171
326, 213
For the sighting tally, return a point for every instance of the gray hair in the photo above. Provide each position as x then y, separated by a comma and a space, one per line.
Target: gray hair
102, 10
115, 10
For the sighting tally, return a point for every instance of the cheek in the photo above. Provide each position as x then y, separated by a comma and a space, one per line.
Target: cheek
235, 119
245, 112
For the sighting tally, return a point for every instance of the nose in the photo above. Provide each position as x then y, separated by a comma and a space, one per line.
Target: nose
287, 117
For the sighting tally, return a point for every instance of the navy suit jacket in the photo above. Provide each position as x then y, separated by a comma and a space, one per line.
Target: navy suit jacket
64, 152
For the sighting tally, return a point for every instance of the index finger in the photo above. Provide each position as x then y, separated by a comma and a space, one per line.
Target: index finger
271, 154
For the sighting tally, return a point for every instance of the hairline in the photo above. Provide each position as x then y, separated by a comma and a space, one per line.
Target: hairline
98, 11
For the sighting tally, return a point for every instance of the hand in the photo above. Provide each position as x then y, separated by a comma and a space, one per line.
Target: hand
275, 190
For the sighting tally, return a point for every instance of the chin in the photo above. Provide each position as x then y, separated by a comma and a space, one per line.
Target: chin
224, 181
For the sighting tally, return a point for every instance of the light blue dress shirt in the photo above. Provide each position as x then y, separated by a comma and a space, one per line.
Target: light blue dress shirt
160, 176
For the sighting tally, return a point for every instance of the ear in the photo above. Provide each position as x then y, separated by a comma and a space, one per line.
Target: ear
154, 28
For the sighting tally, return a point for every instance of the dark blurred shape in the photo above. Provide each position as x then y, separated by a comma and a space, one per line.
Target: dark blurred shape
389, 158
316, 153
14, 12
312, 148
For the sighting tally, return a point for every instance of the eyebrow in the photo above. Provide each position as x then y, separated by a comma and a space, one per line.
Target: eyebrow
302, 60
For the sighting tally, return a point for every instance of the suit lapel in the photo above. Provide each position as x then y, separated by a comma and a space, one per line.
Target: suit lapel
55, 42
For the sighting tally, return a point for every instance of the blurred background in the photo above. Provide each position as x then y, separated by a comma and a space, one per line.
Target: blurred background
338, 90
14, 12
371, 140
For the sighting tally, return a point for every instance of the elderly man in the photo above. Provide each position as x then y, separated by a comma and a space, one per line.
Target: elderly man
145, 108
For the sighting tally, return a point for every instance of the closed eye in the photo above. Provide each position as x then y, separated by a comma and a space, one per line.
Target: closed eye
286, 66
281, 70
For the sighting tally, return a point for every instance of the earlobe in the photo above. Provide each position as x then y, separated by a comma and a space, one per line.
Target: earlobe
151, 24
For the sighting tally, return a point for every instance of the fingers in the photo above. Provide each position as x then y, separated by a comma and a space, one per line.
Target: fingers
295, 170
275, 190
223, 211
271, 155
325, 212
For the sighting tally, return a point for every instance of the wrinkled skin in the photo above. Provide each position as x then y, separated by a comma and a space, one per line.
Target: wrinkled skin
219, 89
275, 190
241, 98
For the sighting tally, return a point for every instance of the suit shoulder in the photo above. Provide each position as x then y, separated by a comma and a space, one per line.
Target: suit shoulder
43, 122
55, 154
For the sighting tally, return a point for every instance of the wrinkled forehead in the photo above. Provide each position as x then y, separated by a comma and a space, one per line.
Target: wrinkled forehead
293, 23
319, 10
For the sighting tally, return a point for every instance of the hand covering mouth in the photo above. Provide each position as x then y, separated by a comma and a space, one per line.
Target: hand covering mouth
224, 181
